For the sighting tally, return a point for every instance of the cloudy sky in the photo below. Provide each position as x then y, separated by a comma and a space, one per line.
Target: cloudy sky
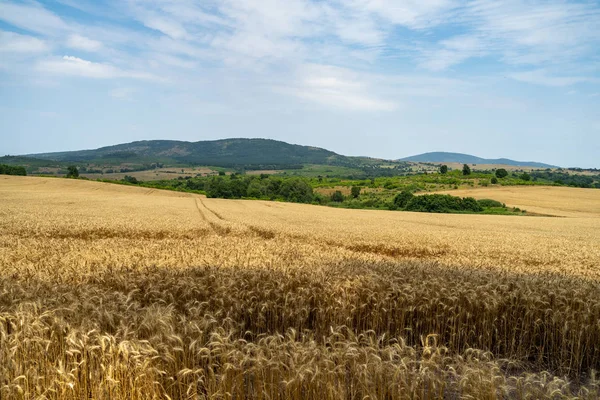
382, 78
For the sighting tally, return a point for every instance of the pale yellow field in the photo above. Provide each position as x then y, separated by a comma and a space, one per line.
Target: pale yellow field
122, 292
50, 207
559, 201
154, 175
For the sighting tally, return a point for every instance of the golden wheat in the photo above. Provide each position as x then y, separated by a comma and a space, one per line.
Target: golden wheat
121, 292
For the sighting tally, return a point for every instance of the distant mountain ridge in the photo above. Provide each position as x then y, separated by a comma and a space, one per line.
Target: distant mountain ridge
244, 152
224, 152
444, 157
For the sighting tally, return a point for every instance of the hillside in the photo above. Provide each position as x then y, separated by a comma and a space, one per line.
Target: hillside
226, 152
444, 157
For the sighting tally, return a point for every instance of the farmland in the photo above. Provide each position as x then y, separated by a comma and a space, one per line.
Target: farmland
124, 292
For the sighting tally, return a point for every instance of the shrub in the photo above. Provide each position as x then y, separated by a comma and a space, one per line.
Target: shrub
488, 203
525, 176
466, 170
337, 196
501, 173
494, 180
72, 172
402, 199
444, 169
130, 179
442, 203
355, 191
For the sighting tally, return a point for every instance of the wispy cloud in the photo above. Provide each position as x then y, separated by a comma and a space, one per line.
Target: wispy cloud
32, 17
79, 42
70, 65
15, 43
542, 77
337, 88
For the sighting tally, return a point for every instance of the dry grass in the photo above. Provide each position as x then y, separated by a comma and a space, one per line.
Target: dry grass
121, 292
155, 174
559, 201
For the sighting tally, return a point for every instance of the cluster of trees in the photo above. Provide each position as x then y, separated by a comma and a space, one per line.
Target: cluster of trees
296, 190
12, 170
439, 203
563, 178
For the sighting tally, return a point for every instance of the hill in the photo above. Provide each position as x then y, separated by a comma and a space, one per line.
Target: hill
443, 157
226, 152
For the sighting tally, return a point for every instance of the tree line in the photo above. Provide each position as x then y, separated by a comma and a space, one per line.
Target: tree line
12, 170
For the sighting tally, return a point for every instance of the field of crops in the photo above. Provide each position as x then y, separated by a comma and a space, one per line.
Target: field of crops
121, 292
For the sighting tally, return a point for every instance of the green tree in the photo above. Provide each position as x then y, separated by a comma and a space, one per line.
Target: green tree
501, 173
337, 196
296, 190
494, 180
255, 189
355, 191
130, 179
525, 176
444, 169
466, 170
12, 170
72, 172
402, 199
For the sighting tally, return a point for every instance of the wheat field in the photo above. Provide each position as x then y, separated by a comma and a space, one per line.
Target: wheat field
121, 292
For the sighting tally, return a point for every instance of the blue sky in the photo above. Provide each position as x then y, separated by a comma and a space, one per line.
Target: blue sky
381, 78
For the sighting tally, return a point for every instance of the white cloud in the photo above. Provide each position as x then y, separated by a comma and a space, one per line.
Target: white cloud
167, 26
416, 14
453, 51
542, 77
74, 66
79, 42
336, 88
14, 43
32, 17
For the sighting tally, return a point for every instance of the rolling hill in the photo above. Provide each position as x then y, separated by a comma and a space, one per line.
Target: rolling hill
443, 157
226, 152
235, 153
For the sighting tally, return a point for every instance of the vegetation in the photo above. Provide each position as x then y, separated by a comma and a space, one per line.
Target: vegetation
442, 203
72, 172
188, 297
12, 170
501, 173
466, 170
444, 169
569, 179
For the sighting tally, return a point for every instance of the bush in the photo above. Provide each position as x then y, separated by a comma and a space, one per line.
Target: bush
442, 203
130, 179
501, 173
444, 169
402, 199
337, 196
72, 172
466, 170
525, 176
488, 203
355, 191
494, 180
